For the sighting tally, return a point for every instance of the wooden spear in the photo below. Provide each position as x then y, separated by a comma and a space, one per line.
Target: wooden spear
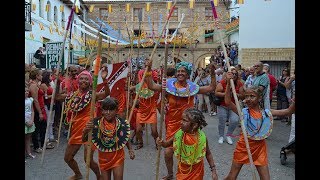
234, 91
93, 101
153, 51
56, 80
163, 92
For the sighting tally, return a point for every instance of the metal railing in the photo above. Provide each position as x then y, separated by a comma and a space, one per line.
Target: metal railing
27, 12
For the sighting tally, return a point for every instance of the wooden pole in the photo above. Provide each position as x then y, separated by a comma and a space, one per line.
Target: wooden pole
153, 51
60, 124
56, 80
162, 115
234, 91
93, 102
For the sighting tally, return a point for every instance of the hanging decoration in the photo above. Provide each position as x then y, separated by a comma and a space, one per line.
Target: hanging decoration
128, 7
169, 4
41, 26
91, 8
109, 8
77, 9
47, 7
240, 2
31, 36
216, 3
61, 8
50, 29
191, 4
34, 7
148, 7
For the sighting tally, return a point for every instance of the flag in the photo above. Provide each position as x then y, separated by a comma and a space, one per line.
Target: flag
50, 29
117, 74
61, 8
216, 3
77, 9
191, 3
31, 36
47, 7
34, 6
109, 8
128, 7
169, 3
41, 26
91, 8
148, 7
240, 1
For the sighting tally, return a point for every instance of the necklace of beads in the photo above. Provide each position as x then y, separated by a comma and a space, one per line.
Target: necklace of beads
108, 137
183, 148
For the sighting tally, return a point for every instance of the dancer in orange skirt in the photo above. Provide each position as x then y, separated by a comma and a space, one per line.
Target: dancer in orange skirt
147, 111
180, 93
78, 114
258, 123
110, 133
190, 146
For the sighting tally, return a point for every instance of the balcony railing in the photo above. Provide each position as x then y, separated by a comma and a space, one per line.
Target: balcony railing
27, 12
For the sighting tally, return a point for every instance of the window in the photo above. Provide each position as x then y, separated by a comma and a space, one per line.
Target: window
174, 16
62, 20
41, 8
208, 37
136, 12
55, 14
136, 33
48, 7
208, 13
103, 14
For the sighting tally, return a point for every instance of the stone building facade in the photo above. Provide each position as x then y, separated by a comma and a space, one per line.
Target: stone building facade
200, 17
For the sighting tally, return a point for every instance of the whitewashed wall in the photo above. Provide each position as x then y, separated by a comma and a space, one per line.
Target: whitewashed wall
32, 45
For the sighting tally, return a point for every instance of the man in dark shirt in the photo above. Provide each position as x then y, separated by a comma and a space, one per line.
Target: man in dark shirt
39, 54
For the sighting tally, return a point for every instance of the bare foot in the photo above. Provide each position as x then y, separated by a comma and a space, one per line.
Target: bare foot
168, 177
75, 177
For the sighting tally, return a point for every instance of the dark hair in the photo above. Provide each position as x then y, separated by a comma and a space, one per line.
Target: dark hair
109, 103
171, 71
46, 77
33, 73
196, 116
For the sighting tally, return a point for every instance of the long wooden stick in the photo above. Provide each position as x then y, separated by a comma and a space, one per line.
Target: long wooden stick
153, 51
234, 91
60, 124
162, 115
56, 80
93, 102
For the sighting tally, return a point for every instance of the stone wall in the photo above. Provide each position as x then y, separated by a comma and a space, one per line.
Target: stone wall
249, 56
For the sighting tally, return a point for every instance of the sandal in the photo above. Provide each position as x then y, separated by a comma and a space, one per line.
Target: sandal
139, 146
49, 146
167, 177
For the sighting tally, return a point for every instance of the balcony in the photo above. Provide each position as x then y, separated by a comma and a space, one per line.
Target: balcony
27, 16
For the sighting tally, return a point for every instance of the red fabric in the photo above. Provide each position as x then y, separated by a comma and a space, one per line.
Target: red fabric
273, 84
154, 75
224, 85
49, 92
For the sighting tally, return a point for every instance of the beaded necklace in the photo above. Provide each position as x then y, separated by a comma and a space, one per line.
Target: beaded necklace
108, 137
183, 148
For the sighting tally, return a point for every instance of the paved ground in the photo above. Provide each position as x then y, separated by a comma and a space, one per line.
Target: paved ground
143, 167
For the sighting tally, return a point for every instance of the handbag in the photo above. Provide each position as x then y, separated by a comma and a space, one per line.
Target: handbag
216, 100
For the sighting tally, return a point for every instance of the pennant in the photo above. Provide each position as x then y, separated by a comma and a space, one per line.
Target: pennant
47, 7
41, 26
55, 24
61, 8
240, 1
77, 9
34, 7
31, 36
128, 7
148, 7
216, 3
91, 8
169, 4
109, 8
191, 4
50, 29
